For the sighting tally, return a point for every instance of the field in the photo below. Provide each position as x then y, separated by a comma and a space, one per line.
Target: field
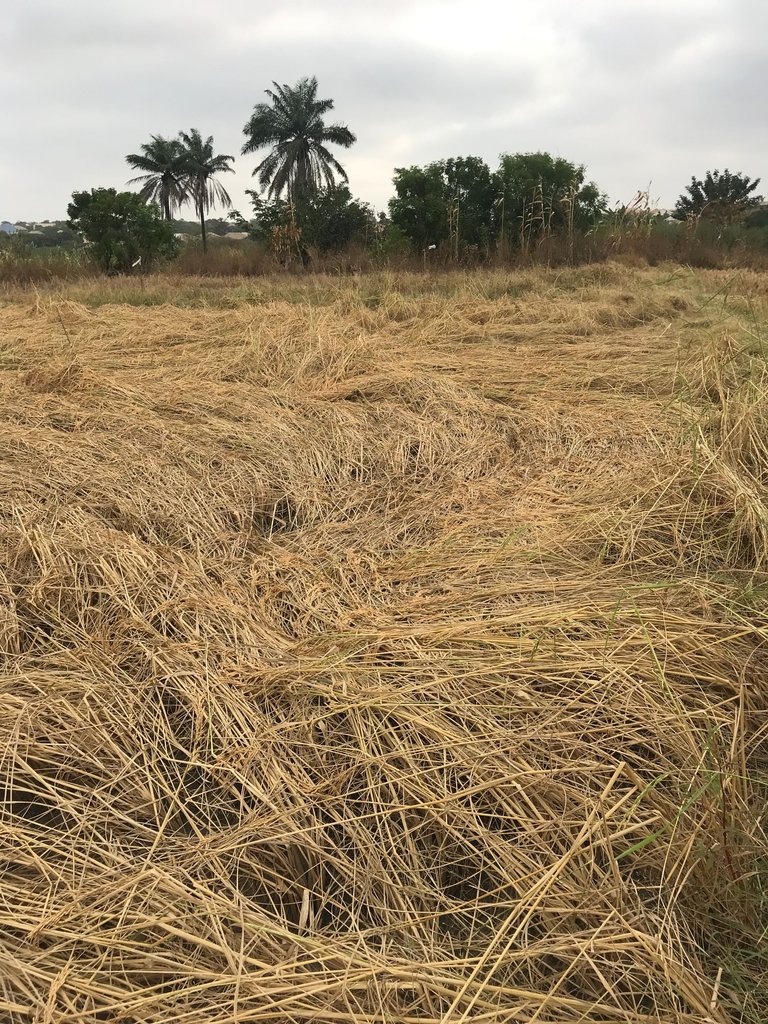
385, 650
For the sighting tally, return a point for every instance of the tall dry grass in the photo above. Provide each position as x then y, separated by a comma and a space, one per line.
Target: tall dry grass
24, 265
385, 651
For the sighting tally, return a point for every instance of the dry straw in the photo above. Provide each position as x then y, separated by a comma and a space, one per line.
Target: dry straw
385, 651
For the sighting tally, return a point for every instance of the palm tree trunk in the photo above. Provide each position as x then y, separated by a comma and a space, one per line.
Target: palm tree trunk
202, 228
167, 206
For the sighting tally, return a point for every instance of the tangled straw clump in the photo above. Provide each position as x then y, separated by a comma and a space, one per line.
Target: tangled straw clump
385, 652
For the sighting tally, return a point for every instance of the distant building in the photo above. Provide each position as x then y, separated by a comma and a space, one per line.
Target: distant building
6, 228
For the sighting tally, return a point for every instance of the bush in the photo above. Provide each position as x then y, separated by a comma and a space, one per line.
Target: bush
122, 230
329, 220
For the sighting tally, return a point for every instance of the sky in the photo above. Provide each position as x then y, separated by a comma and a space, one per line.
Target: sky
640, 91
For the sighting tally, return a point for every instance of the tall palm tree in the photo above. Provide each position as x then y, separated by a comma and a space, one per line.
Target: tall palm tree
201, 164
293, 125
163, 182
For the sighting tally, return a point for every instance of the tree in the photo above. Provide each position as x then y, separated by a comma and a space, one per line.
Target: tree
419, 206
448, 199
329, 219
757, 218
164, 180
200, 167
538, 193
293, 125
470, 193
721, 197
121, 228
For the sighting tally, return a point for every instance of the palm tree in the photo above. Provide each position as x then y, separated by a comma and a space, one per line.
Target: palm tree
299, 161
200, 166
162, 160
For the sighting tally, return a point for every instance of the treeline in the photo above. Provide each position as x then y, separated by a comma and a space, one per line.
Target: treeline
458, 206
455, 210
460, 210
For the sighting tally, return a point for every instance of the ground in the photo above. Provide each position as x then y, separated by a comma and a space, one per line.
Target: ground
387, 649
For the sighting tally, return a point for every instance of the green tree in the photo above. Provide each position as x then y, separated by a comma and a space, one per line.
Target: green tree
293, 126
470, 192
757, 218
537, 192
419, 207
721, 197
164, 180
121, 229
330, 219
449, 199
201, 165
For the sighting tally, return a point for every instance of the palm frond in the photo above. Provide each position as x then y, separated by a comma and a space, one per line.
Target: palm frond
330, 161
339, 135
143, 177
268, 166
281, 180
141, 163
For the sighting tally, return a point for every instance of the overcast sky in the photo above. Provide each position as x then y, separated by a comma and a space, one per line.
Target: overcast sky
638, 90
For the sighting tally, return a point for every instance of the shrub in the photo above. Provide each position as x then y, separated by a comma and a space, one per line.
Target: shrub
122, 229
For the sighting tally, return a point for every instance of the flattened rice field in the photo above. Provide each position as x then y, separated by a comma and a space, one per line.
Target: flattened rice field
387, 650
